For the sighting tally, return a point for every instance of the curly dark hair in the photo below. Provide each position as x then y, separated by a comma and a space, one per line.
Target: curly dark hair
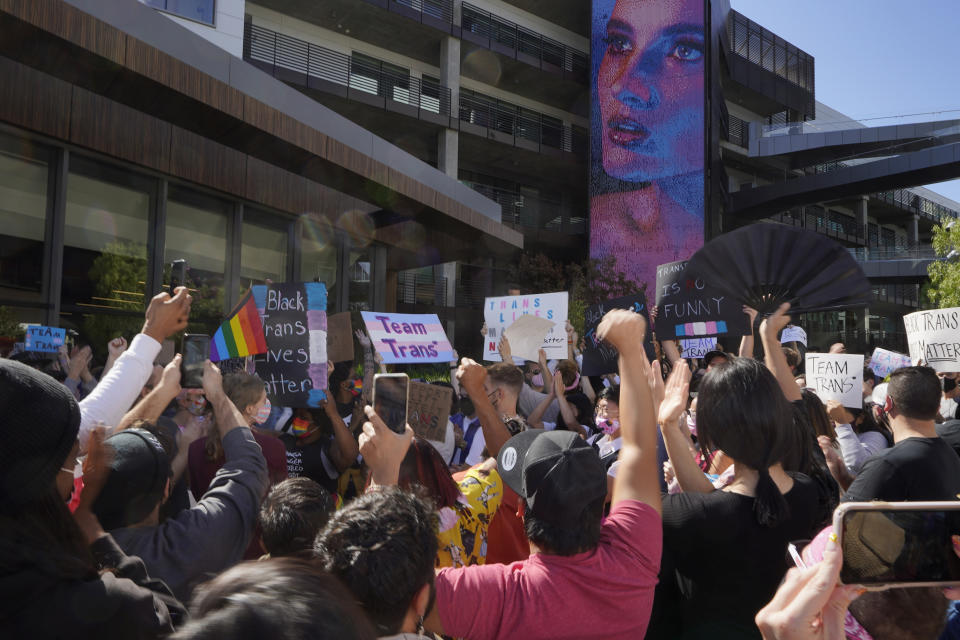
292, 514
383, 546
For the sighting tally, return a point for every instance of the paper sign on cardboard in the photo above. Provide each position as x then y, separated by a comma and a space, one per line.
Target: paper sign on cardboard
526, 336
599, 357
934, 338
339, 337
408, 338
429, 409
836, 376
884, 362
44, 339
500, 313
697, 347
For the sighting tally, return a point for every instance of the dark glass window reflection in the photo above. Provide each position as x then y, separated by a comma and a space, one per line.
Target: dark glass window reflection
199, 10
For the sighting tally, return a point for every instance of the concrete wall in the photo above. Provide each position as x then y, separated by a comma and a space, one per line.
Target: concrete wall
227, 32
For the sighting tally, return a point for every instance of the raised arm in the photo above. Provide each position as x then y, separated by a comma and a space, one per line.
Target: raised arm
638, 473
369, 364
535, 419
345, 450
495, 432
773, 353
152, 406
545, 370
689, 476
746, 343
566, 411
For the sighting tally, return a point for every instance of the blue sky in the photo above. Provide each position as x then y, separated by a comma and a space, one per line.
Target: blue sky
875, 57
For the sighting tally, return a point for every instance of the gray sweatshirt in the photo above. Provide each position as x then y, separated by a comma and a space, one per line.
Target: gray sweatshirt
201, 542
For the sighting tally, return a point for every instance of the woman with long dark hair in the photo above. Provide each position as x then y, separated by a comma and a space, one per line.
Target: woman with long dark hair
62, 576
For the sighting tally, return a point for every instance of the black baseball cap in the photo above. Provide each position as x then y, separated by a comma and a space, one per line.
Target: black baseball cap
139, 470
716, 353
556, 472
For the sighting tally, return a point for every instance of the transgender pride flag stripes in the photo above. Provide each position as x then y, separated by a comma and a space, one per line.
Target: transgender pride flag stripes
690, 329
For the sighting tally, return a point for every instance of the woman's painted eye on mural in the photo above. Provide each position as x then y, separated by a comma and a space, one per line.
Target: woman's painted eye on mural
688, 51
617, 44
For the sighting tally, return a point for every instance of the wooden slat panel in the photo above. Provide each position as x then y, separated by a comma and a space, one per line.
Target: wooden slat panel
71, 24
206, 162
118, 130
284, 127
39, 102
178, 75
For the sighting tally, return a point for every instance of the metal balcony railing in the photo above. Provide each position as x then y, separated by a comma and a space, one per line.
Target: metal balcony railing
916, 252
531, 212
771, 52
738, 131
308, 65
524, 41
438, 9
915, 203
420, 288
520, 123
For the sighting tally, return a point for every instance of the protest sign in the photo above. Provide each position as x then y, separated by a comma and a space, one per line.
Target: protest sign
688, 307
598, 356
294, 316
884, 362
408, 338
44, 339
836, 376
793, 333
695, 348
429, 409
526, 336
339, 337
934, 338
500, 313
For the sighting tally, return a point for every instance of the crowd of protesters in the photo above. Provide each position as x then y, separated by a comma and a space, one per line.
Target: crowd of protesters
656, 502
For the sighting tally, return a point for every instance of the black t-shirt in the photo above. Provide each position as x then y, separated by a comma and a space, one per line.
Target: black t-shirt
950, 432
311, 461
911, 470
728, 565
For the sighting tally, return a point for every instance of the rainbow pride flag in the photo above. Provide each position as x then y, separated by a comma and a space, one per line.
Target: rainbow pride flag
241, 335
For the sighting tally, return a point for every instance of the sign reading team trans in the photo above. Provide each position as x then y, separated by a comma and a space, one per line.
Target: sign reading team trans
500, 313
408, 338
934, 338
294, 368
647, 132
688, 307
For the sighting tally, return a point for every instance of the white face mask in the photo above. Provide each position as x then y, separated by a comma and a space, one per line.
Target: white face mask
692, 424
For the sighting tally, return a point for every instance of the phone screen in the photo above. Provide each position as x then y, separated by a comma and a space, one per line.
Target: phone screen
178, 275
883, 547
196, 349
390, 400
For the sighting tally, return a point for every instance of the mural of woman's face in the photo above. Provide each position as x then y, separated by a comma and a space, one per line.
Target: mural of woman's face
650, 87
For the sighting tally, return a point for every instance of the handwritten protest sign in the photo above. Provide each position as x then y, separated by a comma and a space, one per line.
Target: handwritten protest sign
526, 336
500, 313
598, 356
44, 339
294, 316
688, 307
339, 337
793, 333
836, 376
408, 338
934, 338
884, 362
697, 347
429, 410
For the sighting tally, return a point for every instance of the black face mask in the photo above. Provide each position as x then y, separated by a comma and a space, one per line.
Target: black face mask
949, 385
466, 406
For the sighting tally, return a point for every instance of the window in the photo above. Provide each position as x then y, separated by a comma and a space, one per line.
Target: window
197, 232
105, 251
432, 98
263, 251
23, 209
199, 10
380, 78
318, 253
360, 274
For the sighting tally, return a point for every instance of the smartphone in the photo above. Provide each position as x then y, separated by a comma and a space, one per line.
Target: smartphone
196, 350
178, 275
391, 391
898, 544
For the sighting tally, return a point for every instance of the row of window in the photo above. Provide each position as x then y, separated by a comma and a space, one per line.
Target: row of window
120, 233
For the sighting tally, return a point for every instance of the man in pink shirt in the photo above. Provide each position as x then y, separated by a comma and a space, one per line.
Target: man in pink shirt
586, 576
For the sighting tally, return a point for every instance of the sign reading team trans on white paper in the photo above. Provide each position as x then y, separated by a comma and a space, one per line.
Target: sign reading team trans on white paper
697, 347
934, 338
836, 376
884, 362
500, 313
408, 338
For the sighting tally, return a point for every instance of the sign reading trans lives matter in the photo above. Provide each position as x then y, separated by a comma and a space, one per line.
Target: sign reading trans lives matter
500, 313
934, 338
836, 376
408, 338
688, 307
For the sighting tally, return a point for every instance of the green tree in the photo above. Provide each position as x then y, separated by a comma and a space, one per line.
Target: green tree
944, 288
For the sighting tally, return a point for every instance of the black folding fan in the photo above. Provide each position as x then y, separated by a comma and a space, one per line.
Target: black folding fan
764, 265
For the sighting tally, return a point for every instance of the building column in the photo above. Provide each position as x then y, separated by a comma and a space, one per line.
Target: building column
861, 210
448, 142
913, 232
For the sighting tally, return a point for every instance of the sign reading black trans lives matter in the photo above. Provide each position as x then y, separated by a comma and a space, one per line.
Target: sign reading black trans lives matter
934, 338
688, 307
